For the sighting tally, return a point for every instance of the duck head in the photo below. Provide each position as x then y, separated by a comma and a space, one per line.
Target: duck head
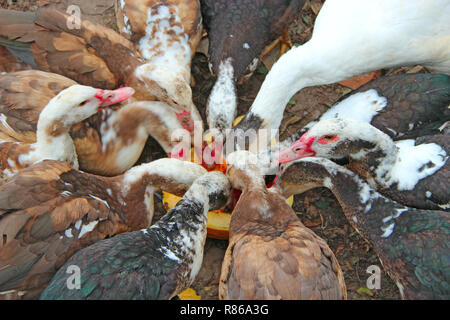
333, 138
243, 169
305, 174
171, 87
78, 102
216, 186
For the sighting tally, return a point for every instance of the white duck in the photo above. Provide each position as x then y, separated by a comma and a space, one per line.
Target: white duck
351, 37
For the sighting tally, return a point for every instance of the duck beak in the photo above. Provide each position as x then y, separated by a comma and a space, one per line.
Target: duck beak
297, 151
110, 97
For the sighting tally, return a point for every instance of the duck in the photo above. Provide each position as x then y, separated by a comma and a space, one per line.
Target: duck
238, 31
53, 140
49, 211
108, 143
402, 106
271, 254
414, 172
89, 54
166, 34
411, 243
155, 263
352, 37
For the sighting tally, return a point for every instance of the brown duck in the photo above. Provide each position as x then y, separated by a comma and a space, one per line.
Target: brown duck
271, 254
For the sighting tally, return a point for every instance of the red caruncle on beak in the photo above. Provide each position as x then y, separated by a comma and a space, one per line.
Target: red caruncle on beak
110, 97
299, 149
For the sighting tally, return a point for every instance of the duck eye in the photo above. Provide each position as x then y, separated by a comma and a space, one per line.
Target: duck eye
329, 137
83, 103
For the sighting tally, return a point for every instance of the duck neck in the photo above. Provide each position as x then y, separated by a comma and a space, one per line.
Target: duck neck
53, 140
160, 122
136, 187
184, 230
370, 213
135, 198
222, 103
198, 194
246, 180
136, 121
258, 204
375, 160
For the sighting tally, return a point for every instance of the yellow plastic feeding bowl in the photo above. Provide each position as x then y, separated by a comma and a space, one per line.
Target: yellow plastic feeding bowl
218, 222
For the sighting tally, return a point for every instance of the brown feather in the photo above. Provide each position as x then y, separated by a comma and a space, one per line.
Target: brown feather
92, 54
9, 62
43, 211
271, 254
23, 95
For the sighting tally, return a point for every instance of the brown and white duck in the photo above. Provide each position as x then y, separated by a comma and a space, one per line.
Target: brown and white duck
412, 244
271, 254
414, 172
238, 31
88, 53
154, 263
49, 211
108, 143
166, 34
53, 140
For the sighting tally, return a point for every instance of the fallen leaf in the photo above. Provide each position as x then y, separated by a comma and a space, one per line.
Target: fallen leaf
339, 249
203, 47
189, 294
365, 291
288, 122
357, 81
314, 223
416, 69
348, 265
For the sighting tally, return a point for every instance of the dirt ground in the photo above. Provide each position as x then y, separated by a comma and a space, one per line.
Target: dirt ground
317, 209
